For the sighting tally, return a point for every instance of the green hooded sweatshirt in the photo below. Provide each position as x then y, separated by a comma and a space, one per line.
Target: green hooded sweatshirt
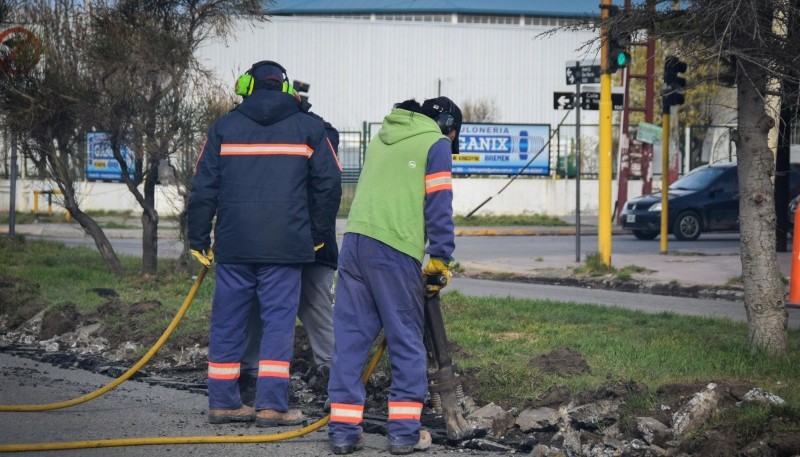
390, 197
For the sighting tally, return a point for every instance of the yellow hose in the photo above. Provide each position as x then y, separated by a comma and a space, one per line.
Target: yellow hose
127, 374
211, 439
147, 441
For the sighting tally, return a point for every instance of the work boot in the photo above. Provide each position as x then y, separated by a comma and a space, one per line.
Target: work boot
424, 442
247, 389
223, 416
272, 418
348, 448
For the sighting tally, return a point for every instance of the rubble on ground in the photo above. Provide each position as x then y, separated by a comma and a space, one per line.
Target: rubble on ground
559, 423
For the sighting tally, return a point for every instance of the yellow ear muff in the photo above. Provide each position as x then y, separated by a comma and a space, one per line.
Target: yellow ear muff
244, 85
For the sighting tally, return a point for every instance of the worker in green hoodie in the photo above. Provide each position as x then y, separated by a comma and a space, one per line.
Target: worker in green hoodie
404, 199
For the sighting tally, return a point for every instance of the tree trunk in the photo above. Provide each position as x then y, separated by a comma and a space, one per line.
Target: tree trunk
96, 232
763, 289
150, 226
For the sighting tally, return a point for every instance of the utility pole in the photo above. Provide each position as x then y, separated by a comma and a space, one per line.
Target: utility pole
12, 204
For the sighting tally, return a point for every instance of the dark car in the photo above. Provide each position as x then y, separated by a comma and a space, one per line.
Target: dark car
704, 200
792, 209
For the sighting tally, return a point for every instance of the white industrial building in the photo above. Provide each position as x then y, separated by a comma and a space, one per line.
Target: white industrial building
361, 57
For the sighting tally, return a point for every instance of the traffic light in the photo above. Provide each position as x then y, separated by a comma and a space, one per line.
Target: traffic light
618, 43
674, 84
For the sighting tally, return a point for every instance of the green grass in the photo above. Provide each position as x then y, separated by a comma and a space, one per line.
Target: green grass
505, 334
493, 339
594, 266
67, 275
525, 219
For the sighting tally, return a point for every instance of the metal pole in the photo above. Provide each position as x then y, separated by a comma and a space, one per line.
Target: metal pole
605, 160
12, 206
577, 163
665, 180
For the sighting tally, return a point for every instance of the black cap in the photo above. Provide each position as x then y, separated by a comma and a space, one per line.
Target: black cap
268, 74
446, 114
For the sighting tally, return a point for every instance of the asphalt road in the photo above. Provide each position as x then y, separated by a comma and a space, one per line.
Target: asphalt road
136, 410
647, 303
481, 247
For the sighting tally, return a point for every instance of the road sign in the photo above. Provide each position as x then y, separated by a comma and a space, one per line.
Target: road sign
591, 101
649, 133
19, 50
563, 100
589, 72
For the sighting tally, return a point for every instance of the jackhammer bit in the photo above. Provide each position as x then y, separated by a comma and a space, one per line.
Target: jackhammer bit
447, 394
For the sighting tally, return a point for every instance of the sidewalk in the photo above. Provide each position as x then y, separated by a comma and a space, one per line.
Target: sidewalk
708, 267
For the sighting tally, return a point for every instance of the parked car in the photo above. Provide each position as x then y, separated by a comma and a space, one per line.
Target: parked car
792, 208
704, 199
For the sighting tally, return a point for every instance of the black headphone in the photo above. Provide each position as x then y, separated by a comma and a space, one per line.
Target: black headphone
246, 82
445, 120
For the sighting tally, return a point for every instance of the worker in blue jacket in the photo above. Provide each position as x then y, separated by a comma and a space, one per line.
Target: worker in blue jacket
315, 310
269, 175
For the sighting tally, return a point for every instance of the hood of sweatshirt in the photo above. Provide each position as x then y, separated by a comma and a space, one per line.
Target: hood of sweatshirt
401, 124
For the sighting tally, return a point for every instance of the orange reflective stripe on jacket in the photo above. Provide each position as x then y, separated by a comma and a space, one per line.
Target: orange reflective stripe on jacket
223, 370
435, 182
335, 156
343, 412
265, 149
404, 410
273, 368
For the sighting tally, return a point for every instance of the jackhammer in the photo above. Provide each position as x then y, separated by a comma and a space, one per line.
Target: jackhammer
447, 394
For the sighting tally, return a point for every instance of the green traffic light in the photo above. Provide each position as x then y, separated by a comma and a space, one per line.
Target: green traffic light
623, 59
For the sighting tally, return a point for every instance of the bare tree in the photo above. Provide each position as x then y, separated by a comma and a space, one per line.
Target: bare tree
123, 67
480, 111
752, 42
47, 107
143, 56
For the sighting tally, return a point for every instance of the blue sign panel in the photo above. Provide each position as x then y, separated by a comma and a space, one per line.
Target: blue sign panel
100, 161
503, 149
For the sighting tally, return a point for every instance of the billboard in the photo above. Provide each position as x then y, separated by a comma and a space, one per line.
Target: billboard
503, 149
100, 162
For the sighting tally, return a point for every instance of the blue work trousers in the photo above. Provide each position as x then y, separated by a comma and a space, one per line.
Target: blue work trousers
378, 287
315, 312
277, 287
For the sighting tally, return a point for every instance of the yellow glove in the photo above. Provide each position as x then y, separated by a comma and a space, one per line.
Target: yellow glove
437, 274
318, 247
204, 257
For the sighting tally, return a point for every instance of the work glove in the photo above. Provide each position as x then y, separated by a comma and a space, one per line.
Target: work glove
317, 247
437, 274
206, 256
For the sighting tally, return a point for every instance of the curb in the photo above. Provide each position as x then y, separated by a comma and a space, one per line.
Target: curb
705, 291
531, 231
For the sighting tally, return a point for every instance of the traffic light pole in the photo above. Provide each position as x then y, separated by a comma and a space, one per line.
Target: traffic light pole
605, 159
664, 179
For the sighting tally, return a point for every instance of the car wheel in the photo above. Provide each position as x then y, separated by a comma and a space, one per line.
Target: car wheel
644, 234
687, 226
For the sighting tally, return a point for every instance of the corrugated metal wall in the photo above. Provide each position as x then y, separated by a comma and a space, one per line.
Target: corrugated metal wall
359, 68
